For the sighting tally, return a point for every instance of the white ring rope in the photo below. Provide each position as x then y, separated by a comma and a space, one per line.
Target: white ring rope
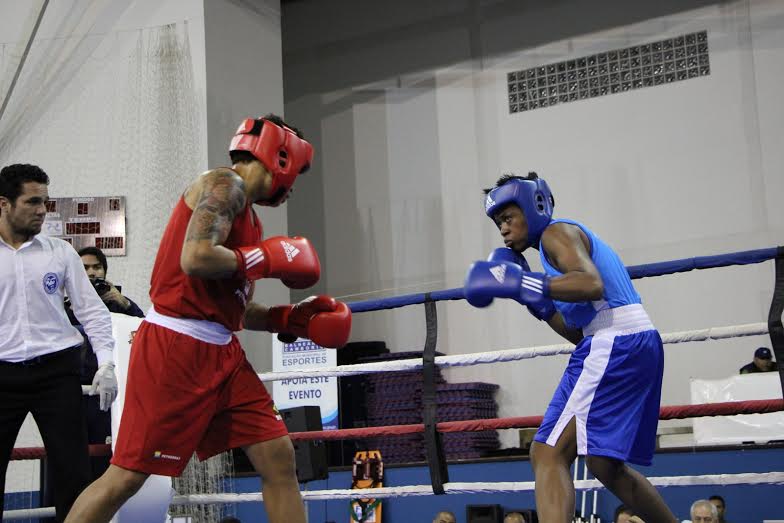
767, 478
478, 358
29, 513
749, 478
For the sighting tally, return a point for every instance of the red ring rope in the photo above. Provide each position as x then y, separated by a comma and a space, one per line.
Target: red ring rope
21, 453
671, 412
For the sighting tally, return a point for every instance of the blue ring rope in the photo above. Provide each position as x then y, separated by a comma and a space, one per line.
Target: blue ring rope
635, 271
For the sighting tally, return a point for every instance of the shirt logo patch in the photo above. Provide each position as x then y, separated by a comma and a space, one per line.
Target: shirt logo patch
50, 282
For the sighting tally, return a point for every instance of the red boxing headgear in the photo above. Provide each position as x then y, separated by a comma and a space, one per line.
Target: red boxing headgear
279, 149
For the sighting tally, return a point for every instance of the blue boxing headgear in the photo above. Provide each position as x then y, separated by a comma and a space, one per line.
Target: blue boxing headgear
534, 198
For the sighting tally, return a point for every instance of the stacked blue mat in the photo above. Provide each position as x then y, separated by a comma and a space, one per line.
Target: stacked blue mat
395, 398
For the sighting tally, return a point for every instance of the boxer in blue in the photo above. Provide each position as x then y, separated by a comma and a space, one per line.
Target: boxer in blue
606, 406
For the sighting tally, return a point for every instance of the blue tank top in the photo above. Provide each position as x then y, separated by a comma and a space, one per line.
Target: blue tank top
618, 288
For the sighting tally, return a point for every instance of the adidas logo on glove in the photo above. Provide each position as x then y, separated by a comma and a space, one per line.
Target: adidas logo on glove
290, 250
253, 257
498, 272
532, 284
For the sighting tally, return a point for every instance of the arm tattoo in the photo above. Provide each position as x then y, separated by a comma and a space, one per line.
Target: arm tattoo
222, 198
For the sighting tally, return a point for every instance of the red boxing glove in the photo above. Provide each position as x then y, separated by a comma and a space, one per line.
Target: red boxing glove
322, 319
291, 260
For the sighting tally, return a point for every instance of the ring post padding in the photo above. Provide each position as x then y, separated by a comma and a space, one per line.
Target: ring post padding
775, 328
434, 449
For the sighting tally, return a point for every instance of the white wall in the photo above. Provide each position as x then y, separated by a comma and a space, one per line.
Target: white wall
245, 79
691, 168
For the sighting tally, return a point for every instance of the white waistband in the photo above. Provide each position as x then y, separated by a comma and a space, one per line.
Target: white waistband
620, 320
203, 330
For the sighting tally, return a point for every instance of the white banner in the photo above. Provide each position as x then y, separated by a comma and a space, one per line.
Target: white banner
307, 390
745, 428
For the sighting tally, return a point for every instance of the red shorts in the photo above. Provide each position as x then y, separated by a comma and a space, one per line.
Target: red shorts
185, 395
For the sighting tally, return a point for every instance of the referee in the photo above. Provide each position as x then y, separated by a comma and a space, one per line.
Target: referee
39, 349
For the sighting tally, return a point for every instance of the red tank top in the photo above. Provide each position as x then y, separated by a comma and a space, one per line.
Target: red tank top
174, 293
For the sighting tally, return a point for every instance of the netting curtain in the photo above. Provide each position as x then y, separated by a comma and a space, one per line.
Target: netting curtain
128, 124
120, 116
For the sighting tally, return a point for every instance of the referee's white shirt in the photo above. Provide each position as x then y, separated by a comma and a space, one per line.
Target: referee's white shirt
33, 322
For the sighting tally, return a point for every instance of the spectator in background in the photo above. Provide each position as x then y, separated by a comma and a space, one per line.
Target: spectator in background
98, 422
763, 362
703, 511
515, 517
94, 261
445, 517
624, 514
718, 502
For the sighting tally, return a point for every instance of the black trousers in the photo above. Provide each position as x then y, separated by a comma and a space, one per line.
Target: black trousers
49, 388
99, 428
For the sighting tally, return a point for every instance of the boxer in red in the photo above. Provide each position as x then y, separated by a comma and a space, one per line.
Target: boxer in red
190, 387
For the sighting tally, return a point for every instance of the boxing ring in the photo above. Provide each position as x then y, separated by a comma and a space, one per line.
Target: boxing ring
432, 430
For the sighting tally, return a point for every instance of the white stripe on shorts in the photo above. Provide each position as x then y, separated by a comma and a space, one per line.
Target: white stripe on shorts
605, 327
579, 404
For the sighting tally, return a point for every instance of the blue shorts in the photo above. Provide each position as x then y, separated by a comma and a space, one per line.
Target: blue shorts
612, 387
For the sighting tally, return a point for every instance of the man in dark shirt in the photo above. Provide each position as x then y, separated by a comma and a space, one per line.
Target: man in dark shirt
99, 423
721, 507
763, 362
96, 266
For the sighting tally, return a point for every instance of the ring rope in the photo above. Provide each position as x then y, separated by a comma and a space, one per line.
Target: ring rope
749, 478
635, 272
29, 513
477, 425
27, 453
478, 358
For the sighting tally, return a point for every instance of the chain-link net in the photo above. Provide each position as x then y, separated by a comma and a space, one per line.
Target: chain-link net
212, 475
130, 126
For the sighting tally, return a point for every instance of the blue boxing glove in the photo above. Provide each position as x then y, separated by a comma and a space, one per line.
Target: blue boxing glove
505, 254
488, 280
543, 309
